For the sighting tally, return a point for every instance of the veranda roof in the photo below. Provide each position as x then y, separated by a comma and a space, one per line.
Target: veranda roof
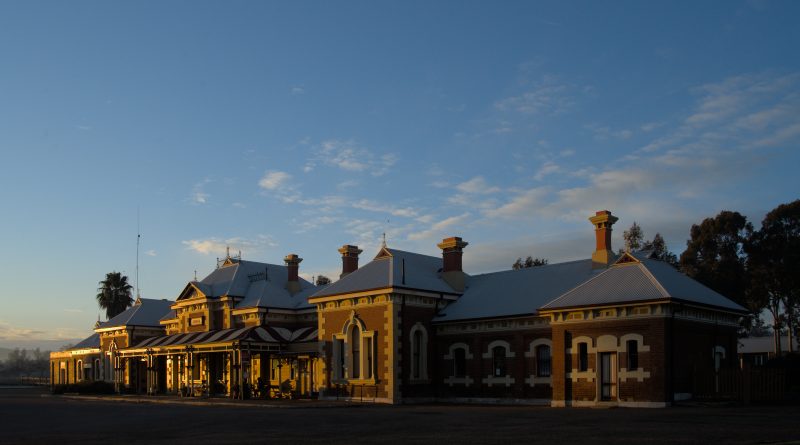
258, 334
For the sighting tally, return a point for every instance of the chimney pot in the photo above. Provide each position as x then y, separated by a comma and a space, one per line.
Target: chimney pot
349, 259
603, 220
293, 269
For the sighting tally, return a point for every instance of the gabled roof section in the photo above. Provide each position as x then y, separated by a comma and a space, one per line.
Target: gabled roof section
235, 279
257, 284
193, 289
516, 292
90, 342
383, 253
626, 258
392, 268
643, 280
145, 312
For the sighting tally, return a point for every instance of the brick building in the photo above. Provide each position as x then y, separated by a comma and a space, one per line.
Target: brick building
623, 330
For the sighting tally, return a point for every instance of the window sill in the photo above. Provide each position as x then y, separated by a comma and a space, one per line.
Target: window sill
419, 381
355, 382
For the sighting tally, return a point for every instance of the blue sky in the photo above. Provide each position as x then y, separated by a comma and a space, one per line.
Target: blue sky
301, 126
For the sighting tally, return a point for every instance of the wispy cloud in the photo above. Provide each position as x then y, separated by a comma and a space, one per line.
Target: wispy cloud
548, 95
218, 246
151, 252
296, 90
274, 180
348, 155
548, 168
199, 196
477, 185
603, 132
438, 229
374, 206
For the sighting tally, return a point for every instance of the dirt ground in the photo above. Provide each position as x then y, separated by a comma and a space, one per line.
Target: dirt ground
32, 417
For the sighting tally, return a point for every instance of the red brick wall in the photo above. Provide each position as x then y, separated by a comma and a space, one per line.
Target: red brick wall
519, 367
652, 330
374, 318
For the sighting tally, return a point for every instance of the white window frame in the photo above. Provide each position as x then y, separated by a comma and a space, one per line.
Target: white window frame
368, 366
491, 379
533, 378
452, 379
422, 353
640, 374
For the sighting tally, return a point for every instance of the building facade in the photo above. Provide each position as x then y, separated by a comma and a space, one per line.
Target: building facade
613, 329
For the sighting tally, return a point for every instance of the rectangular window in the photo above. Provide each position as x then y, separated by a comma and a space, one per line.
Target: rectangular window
543, 362
355, 354
633, 355
583, 357
499, 361
368, 342
340, 365
459, 362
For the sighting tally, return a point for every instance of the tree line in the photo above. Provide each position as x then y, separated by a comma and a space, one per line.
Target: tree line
25, 363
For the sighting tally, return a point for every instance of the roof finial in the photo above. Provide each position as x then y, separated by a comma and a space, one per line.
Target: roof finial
384, 239
195, 275
227, 251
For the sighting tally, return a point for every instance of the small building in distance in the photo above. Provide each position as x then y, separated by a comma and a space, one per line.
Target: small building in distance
756, 351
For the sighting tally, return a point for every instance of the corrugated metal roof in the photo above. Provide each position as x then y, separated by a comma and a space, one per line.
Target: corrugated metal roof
265, 334
755, 345
684, 288
647, 280
90, 342
516, 292
400, 269
260, 285
145, 312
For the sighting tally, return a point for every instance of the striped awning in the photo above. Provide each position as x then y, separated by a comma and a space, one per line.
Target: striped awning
257, 334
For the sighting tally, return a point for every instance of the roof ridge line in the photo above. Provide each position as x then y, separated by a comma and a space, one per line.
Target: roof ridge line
577, 287
530, 268
655, 281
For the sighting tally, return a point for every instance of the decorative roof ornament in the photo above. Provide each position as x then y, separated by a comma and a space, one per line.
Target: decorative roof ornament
383, 244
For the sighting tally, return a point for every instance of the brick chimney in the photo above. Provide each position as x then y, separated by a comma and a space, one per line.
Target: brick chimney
452, 273
603, 255
349, 259
293, 269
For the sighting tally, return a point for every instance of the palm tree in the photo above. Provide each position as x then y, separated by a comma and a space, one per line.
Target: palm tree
114, 294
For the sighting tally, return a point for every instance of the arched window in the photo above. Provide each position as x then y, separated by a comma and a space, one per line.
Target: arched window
79, 371
97, 369
499, 361
416, 340
543, 361
419, 352
353, 351
460, 362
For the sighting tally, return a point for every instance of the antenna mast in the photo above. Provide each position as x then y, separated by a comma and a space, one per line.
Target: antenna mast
138, 238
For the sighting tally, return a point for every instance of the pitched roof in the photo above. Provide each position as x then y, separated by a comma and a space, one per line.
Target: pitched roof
90, 342
145, 312
751, 345
259, 284
516, 292
392, 268
644, 280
